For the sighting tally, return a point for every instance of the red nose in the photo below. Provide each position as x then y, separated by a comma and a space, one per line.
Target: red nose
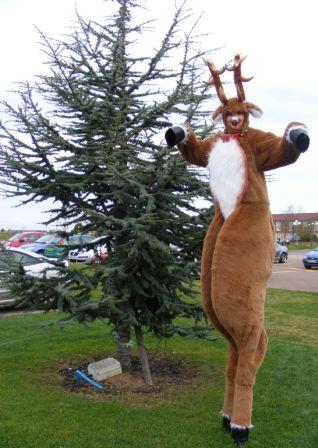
234, 122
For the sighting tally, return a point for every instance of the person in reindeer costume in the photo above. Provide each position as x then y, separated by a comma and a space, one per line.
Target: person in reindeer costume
238, 249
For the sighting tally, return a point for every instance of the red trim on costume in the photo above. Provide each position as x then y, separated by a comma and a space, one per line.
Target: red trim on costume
228, 137
245, 183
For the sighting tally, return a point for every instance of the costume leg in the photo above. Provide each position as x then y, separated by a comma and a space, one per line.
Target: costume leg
238, 292
206, 273
251, 352
230, 372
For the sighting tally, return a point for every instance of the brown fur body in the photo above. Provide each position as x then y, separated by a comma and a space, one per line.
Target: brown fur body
237, 262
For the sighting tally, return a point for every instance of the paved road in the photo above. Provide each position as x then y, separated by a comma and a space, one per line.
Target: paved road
292, 274
17, 313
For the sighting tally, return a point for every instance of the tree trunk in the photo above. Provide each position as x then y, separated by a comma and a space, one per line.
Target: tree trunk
143, 356
123, 349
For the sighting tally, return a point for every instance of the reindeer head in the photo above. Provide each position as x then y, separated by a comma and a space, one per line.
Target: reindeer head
234, 111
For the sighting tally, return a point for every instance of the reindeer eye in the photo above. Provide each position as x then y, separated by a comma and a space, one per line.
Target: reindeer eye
229, 114
239, 112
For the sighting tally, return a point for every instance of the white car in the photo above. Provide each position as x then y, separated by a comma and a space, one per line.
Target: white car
34, 265
89, 256
281, 253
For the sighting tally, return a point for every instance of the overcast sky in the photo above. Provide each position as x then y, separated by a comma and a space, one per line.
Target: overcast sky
280, 39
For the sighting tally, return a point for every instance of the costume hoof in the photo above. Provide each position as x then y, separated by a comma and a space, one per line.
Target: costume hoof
226, 424
240, 436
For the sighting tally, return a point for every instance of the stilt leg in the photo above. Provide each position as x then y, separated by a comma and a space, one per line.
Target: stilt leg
206, 275
230, 372
250, 356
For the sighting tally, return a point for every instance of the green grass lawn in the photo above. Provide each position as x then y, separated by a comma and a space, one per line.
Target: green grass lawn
36, 412
302, 246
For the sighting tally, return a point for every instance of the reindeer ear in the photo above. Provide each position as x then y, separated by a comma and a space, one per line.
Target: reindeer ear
217, 114
254, 110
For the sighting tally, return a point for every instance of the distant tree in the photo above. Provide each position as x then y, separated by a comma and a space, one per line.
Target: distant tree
86, 135
306, 233
292, 209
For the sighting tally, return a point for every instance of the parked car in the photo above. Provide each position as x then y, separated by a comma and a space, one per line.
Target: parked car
22, 238
39, 245
281, 253
290, 239
93, 255
57, 250
34, 265
310, 259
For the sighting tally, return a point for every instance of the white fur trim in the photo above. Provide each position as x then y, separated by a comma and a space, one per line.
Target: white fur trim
227, 168
225, 415
234, 426
257, 113
301, 127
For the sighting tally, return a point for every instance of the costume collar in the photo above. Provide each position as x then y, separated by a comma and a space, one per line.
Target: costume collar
228, 137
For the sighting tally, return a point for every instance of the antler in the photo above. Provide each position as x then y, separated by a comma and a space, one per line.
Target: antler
238, 78
215, 80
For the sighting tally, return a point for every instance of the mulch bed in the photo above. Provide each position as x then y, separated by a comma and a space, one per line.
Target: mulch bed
167, 374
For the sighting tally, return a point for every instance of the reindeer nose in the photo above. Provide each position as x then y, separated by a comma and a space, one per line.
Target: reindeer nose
234, 120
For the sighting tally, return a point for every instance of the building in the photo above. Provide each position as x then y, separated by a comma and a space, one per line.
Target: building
287, 224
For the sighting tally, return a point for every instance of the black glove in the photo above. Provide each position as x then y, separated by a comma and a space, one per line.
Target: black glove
174, 135
300, 139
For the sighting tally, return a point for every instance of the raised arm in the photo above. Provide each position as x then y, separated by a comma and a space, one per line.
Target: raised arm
193, 150
273, 152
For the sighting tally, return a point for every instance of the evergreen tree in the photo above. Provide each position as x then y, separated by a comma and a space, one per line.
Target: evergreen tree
86, 135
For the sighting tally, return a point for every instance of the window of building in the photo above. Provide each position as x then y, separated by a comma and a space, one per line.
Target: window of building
278, 226
290, 226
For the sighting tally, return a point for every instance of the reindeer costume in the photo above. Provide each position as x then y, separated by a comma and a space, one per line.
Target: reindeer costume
238, 248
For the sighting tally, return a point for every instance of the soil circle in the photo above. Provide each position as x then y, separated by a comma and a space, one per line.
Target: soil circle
167, 374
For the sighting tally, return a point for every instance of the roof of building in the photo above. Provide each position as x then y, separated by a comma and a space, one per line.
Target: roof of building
309, 217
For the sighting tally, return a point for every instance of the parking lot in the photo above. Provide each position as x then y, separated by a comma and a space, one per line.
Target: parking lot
292, 274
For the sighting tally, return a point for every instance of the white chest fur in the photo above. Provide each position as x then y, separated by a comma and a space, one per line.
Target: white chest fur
228, 174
